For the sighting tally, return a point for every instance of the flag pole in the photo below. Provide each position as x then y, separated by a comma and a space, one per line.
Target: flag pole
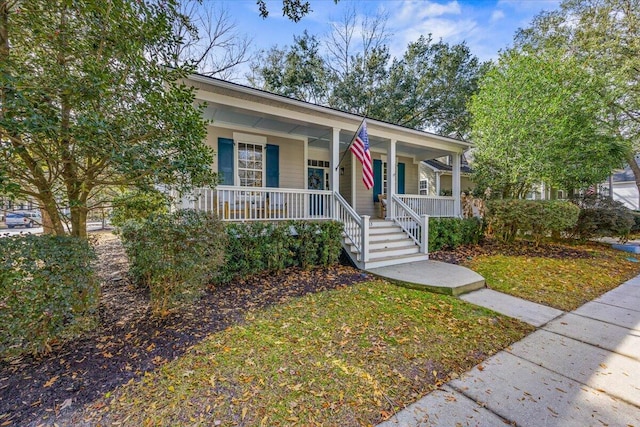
350, 143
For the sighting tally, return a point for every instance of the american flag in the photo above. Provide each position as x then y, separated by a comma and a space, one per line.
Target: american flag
360, 148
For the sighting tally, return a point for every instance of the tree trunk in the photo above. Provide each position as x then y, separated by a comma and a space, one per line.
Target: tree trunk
51, 221
79, 221
635, 168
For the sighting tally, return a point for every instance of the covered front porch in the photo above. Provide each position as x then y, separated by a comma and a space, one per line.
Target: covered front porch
231, 203
284, 159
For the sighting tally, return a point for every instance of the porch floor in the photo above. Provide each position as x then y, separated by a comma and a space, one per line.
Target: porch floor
434, 276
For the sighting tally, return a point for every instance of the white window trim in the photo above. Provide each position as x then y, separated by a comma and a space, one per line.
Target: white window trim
426, 187
239, 138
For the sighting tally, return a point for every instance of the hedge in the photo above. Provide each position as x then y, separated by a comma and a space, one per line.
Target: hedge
271, 247
47, 291
175, 255
601, 216
506, 218
449, 233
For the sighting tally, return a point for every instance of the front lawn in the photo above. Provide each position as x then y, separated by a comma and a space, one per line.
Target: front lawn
556, 275
350, 356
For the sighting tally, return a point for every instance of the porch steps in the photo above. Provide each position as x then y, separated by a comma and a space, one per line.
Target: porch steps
388, 245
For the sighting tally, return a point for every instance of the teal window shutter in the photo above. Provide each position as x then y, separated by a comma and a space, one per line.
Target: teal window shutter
225, 161
400, 178
273, 165
377, 179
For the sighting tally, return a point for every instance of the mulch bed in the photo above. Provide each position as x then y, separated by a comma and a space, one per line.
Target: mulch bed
463, 254
130, 342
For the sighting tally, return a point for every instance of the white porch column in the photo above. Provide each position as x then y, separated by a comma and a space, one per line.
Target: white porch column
334, 155
455, 184
391, 174
437, 174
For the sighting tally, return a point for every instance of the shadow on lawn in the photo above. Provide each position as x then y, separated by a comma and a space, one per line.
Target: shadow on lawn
129, 342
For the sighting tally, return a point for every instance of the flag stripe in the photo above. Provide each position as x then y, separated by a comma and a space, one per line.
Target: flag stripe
360, 149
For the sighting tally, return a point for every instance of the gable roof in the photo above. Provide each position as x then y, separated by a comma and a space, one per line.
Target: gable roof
626, 174
243, 91
438, 166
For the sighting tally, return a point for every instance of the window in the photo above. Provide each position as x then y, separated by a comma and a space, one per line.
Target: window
424, 187
250, 164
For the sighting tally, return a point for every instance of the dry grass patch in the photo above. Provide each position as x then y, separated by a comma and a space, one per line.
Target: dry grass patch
346, 357
563, 283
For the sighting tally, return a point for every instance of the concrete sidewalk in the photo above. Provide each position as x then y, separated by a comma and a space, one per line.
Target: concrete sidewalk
580, 369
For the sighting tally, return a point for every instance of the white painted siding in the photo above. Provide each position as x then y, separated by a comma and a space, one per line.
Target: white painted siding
364, 197
345, 180
427, 173
291, 162
465, 183
411, 173
626, 192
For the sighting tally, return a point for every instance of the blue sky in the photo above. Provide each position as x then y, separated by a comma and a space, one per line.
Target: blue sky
487, 26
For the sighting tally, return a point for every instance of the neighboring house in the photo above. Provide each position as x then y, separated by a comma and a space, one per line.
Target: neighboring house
280, 158
436, 176
624, 187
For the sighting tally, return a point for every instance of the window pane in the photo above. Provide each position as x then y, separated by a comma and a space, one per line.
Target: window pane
250, 163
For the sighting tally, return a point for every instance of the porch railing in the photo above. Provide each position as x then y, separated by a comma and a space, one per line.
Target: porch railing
416, 226
430, 205
259, 204
355, 228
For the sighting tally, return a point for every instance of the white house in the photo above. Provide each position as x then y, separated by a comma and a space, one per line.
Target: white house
624, 187
280, 158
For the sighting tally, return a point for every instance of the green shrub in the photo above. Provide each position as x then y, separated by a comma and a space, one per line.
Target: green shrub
600, 216
47, 291
537, 218
267, 247
176, 255
449, 233
138, 205
636, 222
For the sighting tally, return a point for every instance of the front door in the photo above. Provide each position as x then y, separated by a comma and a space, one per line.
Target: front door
315, 181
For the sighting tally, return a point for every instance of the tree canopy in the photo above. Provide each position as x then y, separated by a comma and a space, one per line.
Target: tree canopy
427, 88
292, 9
85, 103
603, 36
537, 119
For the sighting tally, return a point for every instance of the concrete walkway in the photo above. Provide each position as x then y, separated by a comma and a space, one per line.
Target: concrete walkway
434, 276
527, 311
580, 369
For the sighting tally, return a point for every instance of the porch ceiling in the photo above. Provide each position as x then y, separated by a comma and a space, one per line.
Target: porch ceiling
318, 135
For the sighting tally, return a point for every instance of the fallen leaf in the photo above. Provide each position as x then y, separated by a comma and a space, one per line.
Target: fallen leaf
67, 403
51, 381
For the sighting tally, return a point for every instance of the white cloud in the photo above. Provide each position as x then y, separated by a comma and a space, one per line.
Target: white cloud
497, 15
409, 19
411, 10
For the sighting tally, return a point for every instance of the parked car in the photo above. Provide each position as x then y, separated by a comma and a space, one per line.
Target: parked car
26, 219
